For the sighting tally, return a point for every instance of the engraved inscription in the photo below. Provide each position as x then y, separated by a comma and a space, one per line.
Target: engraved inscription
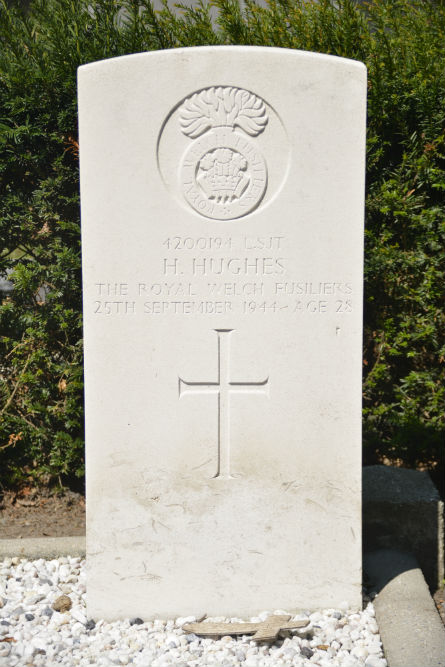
223, 388
114, 307
188, 307
221, 243
200, 243
218, 266
223, 174
242, 286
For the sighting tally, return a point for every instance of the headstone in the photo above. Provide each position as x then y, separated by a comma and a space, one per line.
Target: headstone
222, 227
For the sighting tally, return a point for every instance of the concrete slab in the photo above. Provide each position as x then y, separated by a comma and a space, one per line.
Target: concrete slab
411, 630
43, 547
402, 510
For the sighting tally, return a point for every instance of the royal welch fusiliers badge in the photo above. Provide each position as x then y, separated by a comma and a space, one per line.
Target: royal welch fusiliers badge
223, 174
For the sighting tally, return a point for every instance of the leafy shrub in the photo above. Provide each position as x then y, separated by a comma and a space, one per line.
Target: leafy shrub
402, 43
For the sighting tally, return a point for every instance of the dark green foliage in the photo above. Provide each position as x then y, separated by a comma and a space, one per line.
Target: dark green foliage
403, 45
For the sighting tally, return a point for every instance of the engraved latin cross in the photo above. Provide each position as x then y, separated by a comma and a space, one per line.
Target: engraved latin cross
223, 388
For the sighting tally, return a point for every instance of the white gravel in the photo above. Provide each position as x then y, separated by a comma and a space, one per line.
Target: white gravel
33, 634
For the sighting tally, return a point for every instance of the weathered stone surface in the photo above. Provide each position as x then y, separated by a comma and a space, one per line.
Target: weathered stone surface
222, 226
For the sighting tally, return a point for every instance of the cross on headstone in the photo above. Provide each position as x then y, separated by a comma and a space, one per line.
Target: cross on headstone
223, 387
267, 630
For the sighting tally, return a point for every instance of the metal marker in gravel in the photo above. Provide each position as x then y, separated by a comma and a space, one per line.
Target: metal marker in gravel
32, 633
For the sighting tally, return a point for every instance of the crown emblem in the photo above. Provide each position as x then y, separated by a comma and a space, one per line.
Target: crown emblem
222, 174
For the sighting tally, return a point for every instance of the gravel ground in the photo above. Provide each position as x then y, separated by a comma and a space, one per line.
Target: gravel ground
33, 633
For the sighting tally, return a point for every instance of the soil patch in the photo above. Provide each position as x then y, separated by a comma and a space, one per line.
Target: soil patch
41, 513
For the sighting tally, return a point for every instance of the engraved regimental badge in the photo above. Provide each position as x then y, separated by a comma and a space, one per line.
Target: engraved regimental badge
223, 174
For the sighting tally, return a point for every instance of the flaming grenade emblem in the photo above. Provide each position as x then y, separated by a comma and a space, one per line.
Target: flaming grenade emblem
223, 175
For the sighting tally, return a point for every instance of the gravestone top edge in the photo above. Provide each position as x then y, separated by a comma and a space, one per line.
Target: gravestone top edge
229, 49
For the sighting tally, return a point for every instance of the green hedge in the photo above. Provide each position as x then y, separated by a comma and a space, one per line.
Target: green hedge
403, 46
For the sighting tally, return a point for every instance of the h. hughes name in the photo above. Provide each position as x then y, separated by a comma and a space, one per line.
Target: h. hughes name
218, 266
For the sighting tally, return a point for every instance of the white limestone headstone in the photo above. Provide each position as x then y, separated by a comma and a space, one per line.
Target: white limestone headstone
222, 229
